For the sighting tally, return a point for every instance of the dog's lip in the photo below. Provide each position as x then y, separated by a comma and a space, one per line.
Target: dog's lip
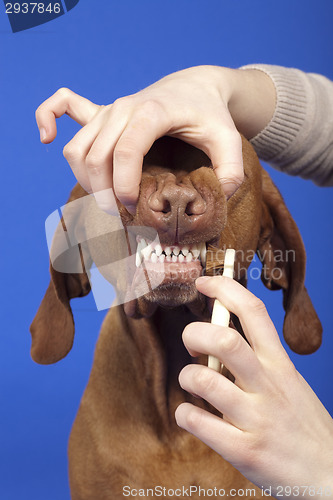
166, 264
174, 272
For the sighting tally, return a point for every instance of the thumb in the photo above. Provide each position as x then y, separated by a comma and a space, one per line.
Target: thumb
227, 161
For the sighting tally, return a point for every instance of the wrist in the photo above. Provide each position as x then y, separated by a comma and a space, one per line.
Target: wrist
252, 100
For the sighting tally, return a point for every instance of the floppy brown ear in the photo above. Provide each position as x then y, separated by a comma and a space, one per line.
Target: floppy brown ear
52, 329
282, 254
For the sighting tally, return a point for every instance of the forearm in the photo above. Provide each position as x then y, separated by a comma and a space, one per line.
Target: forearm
298, 138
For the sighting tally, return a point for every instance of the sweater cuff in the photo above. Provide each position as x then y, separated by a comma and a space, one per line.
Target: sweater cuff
274, 143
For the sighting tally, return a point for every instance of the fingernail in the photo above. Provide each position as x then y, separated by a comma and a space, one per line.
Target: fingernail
229, 187
106, 201
202, 280
43, 134
131, 209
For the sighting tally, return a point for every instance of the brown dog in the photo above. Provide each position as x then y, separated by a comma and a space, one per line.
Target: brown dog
125, 436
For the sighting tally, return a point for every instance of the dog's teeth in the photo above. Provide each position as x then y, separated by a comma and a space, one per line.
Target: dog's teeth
158, 250
181, 258
195, 252
189, 257
168, 258
154, 258
203, 252
176, 250
138, 259
142, 244
174, 258
138, 256
146, 252
185, 251
167, 251
161, 258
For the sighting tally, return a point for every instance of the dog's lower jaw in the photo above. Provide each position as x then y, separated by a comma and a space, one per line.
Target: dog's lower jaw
189, 297
170, 295
139, 308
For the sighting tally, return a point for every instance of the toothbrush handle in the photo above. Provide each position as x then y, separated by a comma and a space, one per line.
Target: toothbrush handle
221, 315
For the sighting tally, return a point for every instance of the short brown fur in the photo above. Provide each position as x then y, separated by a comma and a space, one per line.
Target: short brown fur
125, 432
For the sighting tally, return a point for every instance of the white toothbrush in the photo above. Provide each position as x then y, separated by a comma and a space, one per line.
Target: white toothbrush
221, 315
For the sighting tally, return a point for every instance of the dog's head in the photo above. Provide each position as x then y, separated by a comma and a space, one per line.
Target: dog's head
182, 202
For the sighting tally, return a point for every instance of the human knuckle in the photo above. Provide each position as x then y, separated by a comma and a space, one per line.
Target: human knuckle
124, 150
204, 380
64, 92
43, 107
228, 342
256, 305
72, 152
151, 106
121, 103
193, 420
93, 161
117, 103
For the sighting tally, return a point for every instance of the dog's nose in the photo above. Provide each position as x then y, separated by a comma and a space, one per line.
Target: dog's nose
176, 200
175, 205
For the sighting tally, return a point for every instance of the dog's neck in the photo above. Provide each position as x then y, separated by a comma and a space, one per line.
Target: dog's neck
160, 336
170, 324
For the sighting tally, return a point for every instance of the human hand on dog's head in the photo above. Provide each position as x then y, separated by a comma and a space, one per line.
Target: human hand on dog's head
202, 106
274, 428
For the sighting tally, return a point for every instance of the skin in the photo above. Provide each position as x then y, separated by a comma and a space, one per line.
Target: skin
274, 428
206, 106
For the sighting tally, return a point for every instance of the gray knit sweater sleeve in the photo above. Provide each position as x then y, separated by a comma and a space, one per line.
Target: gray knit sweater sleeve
299, 138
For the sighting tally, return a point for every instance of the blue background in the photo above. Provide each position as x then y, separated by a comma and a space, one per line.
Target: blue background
104, 50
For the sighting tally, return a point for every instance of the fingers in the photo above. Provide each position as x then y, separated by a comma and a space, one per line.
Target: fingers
109, 151
229, 347
217, 390
221, 436
90, 152
64, 101
146, 124
227, 160
251, 311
